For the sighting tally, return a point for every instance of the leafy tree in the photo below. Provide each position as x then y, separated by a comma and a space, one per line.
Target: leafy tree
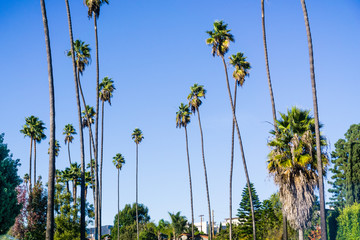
137, 136
182, 120
244, 212
292, 162
9, 180
349, 222
18, 230
196, 93
219, 39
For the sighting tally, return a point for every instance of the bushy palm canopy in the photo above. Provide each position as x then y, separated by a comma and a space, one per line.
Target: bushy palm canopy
197, 92
219, 39
106, 89
137, 135
242, 67
183, 116
178, 223
292, 162
91, 112
82, 55
118, 161
69, 131
34, 128
94, 7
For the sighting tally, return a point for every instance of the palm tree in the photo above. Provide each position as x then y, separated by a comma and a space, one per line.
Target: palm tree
182, 120
94, 11
106, 89
162, 228
39, 135
293, 164
75, 175
317, 126
57, 148
137, 136
26, 180
51, 181
69, 131
194, 98
178, 224
118, 161
242, 67
220, 39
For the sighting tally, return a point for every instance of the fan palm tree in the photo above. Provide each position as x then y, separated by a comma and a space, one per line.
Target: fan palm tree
94, 11
317, 125
220, 39
293, 164
118, 161
51, 181
69, 131
242, 67
75, 175
182, 120
39, 135
57, 148
137, 136
194, 98
106, 89
26, 180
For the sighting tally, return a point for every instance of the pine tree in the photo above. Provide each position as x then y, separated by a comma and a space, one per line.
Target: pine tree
244, 212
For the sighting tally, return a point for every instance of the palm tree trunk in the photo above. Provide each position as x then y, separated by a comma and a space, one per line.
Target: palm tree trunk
241, 148
317, 129
191, 195
30, 170
301, 234
51, 181
82, 154
101, 157
74, 192
137, 216
205, 173
91, 167
118, 213
34, 162
285, 237
97, 209
232, 164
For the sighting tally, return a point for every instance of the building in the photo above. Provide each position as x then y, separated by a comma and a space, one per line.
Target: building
104, 230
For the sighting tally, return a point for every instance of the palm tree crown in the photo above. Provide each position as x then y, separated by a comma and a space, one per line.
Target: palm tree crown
118, 161
69, 131
183, 116
91, 113
94, 7
34, 128
242, 67
197, 92
106, 89
220, 39
82, 55
137, 135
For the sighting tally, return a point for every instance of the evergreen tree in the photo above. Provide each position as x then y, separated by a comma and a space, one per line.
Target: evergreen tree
9, 180
346, 169
244, 212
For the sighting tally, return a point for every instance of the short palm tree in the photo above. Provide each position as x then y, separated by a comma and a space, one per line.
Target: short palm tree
241, 70
220, 39
178, 224
118, 161
194, 98
69, 131
106, 89
182, 120
317, 125
293, 164
94, 11
137, 136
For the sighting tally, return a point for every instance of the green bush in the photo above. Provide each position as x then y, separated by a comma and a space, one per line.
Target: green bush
349, 223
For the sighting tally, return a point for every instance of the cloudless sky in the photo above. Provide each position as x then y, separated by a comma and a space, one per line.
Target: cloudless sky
154, 51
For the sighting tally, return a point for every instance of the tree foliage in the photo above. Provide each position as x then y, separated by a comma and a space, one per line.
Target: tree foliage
349, 223
9, 180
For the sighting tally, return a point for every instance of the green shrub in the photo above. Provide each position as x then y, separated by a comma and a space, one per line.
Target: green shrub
349, 223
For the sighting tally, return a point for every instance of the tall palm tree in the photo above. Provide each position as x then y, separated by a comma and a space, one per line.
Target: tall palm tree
293, 164
242, 67
137, 136
88, 117
75, 175
26, 180
106, 89
94, 11
118, 161
69, 131
51, 181
182, 120
220, 39
317, 126
39, 135
194, 98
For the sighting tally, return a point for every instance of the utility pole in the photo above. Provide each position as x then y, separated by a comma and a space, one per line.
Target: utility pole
201, 217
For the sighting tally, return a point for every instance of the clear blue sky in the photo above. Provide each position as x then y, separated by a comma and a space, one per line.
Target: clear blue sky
154, 51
